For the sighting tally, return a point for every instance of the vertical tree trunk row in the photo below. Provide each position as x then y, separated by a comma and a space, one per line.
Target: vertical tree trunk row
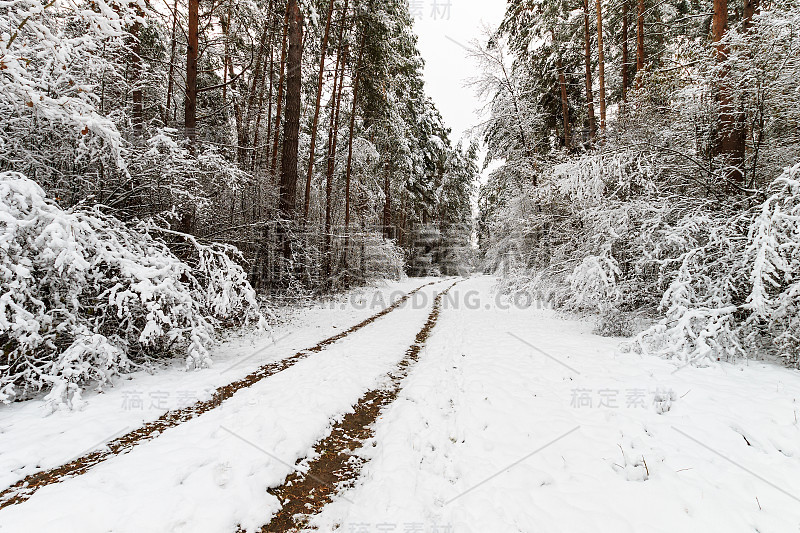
317, 105
588, 61
190, 105
625, 81
640, 57
291, 129
601, 66
279, 103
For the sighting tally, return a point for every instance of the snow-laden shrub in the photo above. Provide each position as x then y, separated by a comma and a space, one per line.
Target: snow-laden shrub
773, 253
574, 237
594, 285
52, 56
84, 297
384, 259
592, 179
733, 291
721, 281
168, 174
694, 328
594, 282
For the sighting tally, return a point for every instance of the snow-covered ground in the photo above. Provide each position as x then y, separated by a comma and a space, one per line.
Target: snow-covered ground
490, 434
514, 420
32, 439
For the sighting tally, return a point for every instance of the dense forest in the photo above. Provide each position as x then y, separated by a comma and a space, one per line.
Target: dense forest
161, 160
651, 168
166, 166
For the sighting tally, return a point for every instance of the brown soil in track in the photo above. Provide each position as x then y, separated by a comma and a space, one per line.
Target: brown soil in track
26, 487
335, 466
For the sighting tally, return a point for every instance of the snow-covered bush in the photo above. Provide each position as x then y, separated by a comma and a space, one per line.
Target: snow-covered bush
692, 330
83, 297
739, 288
594, 282
721, 282
53, 56
773, 256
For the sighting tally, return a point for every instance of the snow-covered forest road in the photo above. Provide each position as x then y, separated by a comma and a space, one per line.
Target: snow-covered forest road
504, 419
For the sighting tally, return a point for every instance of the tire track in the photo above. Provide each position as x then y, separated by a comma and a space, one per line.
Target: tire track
335, 466
25, 488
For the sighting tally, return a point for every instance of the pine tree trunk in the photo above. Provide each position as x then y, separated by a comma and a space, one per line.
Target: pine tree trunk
640, 58
291, 129
173, 51
256, 155
350, 141
751, 7
135, 61
315, 124
625, 80
730, 144
190, 106
387, 204
238, 113
279, 104
588, 60
267, 153
333, 141
562, 82
348, 172
246, 153
601, 66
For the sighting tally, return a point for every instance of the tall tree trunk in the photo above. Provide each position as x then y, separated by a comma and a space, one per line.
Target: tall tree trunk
348, 172
225, 22
267, 153
291, 129
625, 80
256, 155
562, 82
601, 65
751, 8
640, 58
279, 103
190, 105
136, 75
730, 141
350, 141
588, 60
173, 50
246, 153
333, 138
238, 113
315, 124
387, 204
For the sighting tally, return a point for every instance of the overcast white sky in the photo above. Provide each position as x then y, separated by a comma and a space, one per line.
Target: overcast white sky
446, 66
